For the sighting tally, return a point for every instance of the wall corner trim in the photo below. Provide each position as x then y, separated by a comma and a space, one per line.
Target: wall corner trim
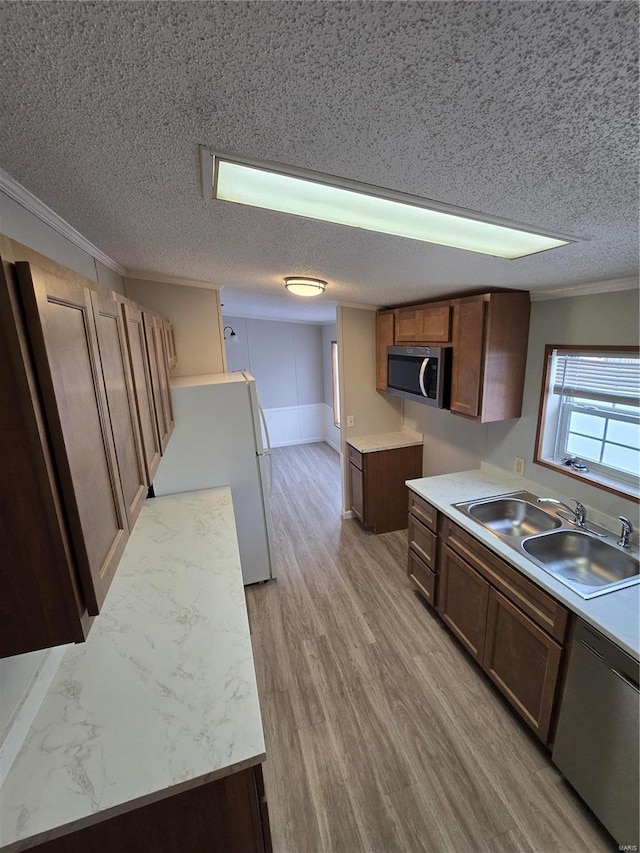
10, 187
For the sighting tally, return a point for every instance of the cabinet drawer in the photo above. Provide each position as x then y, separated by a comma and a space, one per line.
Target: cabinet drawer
422, 577
537, 604
423, 542
355, 457
422, 510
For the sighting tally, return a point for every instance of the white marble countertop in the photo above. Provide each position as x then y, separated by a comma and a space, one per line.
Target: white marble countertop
385, 441
161, 697
615, 614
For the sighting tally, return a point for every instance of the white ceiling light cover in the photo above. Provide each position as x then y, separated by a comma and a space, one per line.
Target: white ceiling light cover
347, 203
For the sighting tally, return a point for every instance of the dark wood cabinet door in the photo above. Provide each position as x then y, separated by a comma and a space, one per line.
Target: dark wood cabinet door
116, 371
159, 373
356, 479
67, 362
468, 356
384, 339
141, 378
423, 324
462, 602
523, 661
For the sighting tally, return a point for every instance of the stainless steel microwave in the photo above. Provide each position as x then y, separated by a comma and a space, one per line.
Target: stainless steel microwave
422, 374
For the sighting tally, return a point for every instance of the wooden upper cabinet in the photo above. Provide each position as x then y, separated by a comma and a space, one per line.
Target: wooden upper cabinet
61, 326
490, 336
123, 414
170, 344
423, 324
141, 380
468, 360
159, 372
384, 338
41, 601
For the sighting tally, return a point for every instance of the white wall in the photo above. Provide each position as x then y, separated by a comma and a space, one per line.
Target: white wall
606, 318
286, 360
195, 315
372, 412
20, 224
452, 443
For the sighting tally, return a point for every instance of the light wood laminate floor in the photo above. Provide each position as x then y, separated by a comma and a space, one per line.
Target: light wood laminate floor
382, 735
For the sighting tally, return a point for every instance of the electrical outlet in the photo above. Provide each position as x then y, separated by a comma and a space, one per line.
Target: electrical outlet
518, 465
350, 421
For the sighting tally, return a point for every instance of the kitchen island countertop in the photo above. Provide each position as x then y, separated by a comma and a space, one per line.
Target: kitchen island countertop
161, 697
615, 614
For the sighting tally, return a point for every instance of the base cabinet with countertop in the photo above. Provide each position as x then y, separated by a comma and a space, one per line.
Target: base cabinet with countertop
513, 629
378, 469
149, 738
225, 816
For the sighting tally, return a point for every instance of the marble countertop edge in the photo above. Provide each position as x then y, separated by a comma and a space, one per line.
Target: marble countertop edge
385, 441
131, 805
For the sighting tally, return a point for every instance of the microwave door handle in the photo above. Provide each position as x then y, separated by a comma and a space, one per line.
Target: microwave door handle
423, 367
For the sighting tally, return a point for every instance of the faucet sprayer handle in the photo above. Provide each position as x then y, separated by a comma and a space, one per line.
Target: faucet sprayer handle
627, 530
626, 524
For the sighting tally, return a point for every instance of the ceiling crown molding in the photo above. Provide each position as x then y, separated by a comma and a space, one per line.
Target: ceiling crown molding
607, 286
10, 187
143, 275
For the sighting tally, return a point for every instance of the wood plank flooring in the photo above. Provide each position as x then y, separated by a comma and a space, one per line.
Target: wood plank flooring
382, 735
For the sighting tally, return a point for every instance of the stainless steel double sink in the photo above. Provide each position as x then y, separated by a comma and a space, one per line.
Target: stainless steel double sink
586, 563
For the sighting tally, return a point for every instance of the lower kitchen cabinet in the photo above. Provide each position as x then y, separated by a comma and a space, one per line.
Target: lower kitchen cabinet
462, 602
523, 661
225, 816
377, 481
513, 629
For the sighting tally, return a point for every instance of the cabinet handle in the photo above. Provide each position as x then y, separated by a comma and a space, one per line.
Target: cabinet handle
423, 367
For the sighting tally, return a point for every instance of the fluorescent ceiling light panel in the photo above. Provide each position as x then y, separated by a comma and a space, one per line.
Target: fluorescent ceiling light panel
316, 196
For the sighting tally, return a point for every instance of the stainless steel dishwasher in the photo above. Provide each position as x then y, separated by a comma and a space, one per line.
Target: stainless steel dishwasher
596, 745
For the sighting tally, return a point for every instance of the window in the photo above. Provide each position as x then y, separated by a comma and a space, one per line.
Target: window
590, 416
336, 383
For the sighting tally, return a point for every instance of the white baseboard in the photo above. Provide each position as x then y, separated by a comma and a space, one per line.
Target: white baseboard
347, 513
313, 440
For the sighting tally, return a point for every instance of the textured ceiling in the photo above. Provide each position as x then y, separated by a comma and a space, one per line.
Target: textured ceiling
524, 110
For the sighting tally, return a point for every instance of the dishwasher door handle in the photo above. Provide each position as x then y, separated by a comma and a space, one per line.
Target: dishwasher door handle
629, 681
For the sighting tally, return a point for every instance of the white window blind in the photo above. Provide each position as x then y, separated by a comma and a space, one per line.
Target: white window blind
609, 377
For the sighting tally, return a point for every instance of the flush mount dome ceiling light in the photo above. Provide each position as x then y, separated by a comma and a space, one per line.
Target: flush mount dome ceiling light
302, 192
303, 286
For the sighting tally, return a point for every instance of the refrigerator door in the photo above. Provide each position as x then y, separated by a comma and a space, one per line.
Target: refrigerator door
266, 476
214, 444
263, 444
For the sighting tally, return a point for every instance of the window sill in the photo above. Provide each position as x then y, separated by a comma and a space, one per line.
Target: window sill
600, 481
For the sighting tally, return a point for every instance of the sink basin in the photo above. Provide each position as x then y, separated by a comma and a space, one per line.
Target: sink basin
577, 558
510, 516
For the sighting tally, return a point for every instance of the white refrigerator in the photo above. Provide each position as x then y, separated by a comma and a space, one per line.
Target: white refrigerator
221, 439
